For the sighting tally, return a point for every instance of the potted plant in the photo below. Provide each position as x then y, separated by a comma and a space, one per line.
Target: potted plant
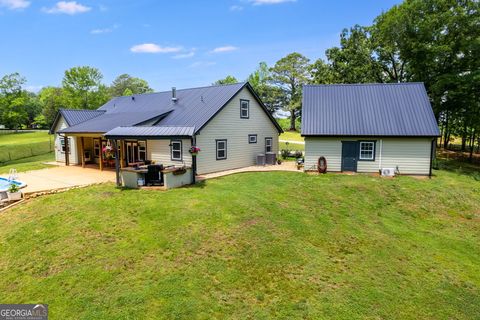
194, 150
14, 192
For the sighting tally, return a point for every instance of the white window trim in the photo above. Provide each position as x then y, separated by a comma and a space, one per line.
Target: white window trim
269, 145
363, 143
173, 142
242, 102
250, 136
221, 149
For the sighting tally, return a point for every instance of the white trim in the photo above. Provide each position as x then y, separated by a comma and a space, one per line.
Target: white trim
373, 150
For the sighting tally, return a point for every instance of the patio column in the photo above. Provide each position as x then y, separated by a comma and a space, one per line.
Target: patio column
122, 154
67, 151
101, 155
117, 162
82, 151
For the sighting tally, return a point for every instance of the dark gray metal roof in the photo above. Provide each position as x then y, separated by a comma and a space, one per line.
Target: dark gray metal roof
194, 108
109, 120
394, 109
150, 132
76, 116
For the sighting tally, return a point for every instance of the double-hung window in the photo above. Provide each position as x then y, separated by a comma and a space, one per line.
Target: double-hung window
63, 148
268, 144
221, 149
367, 150
244, 109
142, 150
176, 150
96, 148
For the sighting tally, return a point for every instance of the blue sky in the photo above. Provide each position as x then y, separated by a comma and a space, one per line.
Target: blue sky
169, 43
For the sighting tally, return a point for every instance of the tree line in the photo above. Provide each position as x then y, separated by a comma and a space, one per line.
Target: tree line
436, 42
81, 88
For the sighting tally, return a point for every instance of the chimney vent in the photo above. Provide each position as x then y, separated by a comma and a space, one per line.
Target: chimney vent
174, 94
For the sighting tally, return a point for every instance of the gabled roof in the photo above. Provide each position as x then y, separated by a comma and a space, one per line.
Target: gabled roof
75, 116
194, 107
394, 109
149, 132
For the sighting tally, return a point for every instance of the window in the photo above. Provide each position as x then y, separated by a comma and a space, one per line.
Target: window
367, 150
268, 144
62, 144
221, 149
244, 109
142, 150
96, 148
252, 138
176, 150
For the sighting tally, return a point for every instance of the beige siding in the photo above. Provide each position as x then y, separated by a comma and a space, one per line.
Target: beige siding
228, 125
72, 142
410, 155
159, 151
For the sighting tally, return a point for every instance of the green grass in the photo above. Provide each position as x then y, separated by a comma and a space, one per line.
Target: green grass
27, 164
257, 245
16, 146
291, 136
291, 146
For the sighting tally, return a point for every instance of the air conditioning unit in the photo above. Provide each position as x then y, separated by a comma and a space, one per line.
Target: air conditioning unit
387, 172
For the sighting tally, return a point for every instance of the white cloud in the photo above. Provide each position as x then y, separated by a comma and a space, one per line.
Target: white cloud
262, 2
14, 4
236, 8
67, 7
104, 30
184, 55
224, 49
153, 48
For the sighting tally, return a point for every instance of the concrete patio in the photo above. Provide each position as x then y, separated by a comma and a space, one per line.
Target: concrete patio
62, 177
285, 166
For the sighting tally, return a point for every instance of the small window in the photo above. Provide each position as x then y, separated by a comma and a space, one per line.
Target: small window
367, 150
62, 145
221, 149
244, 109
142, 150
96, 148
176, 150
252, 138
268, 144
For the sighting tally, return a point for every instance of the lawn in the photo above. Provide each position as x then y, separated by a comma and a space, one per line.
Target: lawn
291, 136
25, 150
254, 245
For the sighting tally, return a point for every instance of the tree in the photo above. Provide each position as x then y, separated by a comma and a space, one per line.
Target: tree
84, 88
270, 95
227, 80
134, 85
321, 72
290, 73
52, 99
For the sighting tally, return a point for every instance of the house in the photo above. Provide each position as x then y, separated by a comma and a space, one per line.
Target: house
229, 123
369, 127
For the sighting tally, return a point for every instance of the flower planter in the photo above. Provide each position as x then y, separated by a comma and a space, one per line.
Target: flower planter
14, 196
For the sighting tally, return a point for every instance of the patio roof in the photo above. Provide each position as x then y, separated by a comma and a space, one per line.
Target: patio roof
156, 132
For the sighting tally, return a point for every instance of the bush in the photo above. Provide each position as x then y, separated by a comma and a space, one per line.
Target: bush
284, 153
298, 154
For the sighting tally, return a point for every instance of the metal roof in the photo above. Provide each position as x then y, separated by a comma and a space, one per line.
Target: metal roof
76, 116
194, 108
394, 109
150, 132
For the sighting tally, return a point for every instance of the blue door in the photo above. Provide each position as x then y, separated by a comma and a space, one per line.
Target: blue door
349, 155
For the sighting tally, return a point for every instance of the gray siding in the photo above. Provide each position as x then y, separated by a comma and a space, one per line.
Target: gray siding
227, 124
72, 141
159, 151
411, 155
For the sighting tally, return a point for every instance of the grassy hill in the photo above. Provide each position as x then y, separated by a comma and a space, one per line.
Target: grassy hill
258, 245
25, 150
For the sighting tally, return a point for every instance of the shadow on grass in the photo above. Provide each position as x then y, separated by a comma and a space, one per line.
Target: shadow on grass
458, 166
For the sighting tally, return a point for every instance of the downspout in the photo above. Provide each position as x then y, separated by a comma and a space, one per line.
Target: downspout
194, 160
432, 153
380, 156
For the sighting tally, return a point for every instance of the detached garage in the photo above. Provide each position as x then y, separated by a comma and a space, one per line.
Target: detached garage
387, 128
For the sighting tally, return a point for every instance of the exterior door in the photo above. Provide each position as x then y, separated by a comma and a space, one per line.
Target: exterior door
132, 151
349, 155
